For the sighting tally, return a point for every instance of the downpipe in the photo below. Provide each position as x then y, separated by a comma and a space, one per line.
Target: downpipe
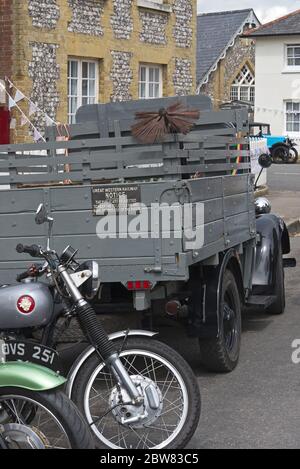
99, 339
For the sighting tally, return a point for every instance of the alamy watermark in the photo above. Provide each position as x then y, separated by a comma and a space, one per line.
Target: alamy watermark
296, 352
122, 220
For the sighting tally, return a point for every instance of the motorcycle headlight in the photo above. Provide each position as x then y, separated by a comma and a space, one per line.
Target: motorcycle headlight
90, 288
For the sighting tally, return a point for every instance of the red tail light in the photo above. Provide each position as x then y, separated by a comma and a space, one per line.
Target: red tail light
139, 285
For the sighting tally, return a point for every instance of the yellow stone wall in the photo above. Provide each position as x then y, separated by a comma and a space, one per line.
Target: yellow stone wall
94, 47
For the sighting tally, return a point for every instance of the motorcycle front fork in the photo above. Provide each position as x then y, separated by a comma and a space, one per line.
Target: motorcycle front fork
99, 338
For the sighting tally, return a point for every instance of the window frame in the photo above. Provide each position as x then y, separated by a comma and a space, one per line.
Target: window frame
80, 97
287, 66
147, 81
295, 133
240, 86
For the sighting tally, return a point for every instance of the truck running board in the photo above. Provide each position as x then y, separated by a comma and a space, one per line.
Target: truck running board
259, 301
289, 263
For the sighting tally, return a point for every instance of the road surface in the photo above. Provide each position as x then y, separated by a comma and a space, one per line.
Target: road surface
284, 177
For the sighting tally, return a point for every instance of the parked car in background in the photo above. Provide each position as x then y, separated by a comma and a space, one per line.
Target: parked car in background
282, 148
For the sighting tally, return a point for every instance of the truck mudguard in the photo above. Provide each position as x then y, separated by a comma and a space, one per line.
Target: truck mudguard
206, 293
272, 233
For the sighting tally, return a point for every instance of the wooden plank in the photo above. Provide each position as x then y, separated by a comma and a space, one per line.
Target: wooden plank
207, 136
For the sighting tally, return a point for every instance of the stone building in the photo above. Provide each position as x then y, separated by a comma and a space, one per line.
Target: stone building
226, 61
66, 53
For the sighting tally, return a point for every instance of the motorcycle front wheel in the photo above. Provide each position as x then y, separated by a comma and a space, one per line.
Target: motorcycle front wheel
41, 420
170, 413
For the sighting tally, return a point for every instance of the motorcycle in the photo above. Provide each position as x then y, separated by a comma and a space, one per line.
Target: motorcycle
285, 152
35, 413
134, 391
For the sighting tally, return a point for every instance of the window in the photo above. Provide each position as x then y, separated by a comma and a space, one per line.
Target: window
292, 116
150, 82
243, 87
293, 55
83, 82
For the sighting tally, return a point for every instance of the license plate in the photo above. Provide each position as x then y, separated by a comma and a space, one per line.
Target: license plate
11, 351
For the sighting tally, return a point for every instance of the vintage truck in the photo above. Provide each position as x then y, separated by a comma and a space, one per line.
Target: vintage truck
239, 262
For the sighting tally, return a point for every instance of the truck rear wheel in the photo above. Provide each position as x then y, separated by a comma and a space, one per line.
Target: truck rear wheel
221, 354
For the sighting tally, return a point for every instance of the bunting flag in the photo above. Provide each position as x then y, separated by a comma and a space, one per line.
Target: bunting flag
19, 96
24, 121
11, 103
32, 109
13, 123
49, 121
37, 136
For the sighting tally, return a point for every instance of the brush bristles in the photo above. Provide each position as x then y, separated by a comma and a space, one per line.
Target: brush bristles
153, 126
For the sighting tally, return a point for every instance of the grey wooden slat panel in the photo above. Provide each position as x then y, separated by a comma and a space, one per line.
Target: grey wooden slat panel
236, 204
213, 232
93, 247
21, 200
131, 172
111, 159
126, 121
8, 247
20, 224
237, 225
39, 178
68, 198
208, 136
237, 185
213, 210
127, 110
204, 188
201, 152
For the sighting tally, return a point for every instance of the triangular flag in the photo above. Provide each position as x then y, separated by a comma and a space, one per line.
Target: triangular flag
19, 96
36, 135
24, 120
32, 108
13, 123
11, 103
49, 121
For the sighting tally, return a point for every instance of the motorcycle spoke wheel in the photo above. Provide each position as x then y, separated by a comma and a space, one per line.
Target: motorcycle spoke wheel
156, 431
42, 431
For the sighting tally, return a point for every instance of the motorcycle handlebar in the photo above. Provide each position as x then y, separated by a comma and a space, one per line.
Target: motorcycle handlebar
22, 276
33, 250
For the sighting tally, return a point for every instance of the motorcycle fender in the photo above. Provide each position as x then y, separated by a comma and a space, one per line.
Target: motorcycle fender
90, 350
280, 144
272, 233
29, 376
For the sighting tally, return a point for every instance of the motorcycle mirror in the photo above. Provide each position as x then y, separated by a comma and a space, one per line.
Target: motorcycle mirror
265, 161
41, 215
